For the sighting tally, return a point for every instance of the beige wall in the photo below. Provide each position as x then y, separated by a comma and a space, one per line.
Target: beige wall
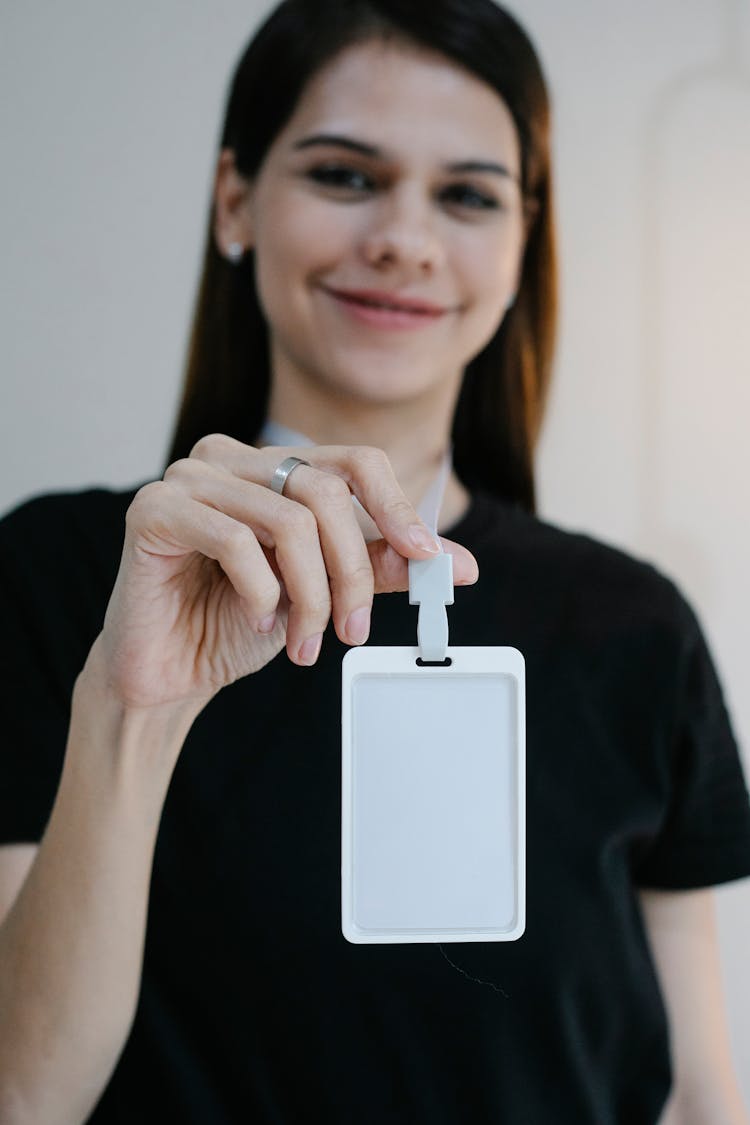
646, 441
109, 115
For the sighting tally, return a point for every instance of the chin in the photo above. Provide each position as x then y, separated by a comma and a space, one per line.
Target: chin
381, 382
393, 366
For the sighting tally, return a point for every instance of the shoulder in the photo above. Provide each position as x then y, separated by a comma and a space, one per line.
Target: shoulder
59, 556
59, 537
586, 581
82, 514
76, 507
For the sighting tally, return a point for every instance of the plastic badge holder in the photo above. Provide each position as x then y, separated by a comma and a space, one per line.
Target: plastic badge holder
433, 787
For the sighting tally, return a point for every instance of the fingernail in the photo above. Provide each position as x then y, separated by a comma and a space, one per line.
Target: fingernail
267, 624
358, 625
421, 537
308, 652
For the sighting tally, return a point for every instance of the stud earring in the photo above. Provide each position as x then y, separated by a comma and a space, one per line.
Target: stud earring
235, 251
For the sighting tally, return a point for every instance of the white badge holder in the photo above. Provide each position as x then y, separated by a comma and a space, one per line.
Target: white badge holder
433, 783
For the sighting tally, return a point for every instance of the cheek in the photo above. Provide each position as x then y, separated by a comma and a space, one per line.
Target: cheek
299, 242
487, 268
302, 236
489, 264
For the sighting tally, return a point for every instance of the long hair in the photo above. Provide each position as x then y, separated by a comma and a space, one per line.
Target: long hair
501, 402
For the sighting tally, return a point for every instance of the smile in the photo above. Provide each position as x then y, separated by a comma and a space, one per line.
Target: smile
382, 315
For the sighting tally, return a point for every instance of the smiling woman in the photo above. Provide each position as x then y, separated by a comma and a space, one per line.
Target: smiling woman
341, 192
375, 317
319, 247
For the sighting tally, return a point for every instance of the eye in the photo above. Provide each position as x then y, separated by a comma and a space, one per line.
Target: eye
470, 197
337, 175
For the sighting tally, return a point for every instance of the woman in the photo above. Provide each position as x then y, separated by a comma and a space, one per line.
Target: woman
373, 154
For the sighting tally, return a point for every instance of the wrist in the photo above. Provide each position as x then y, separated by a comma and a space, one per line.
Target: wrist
144, 738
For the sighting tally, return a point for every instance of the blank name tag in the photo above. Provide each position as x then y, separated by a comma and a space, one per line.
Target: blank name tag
433, 796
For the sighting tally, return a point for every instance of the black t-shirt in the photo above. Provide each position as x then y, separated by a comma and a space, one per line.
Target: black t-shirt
254, 1007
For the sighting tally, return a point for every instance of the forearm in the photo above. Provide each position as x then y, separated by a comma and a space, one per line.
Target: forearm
718, 1104
71, 948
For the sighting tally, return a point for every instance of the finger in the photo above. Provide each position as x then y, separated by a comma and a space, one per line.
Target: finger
287, 527
369, 475
294, 533
365, 469
391, 570
347, 562
164, 520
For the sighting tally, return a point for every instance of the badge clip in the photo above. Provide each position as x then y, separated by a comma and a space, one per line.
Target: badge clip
431, 588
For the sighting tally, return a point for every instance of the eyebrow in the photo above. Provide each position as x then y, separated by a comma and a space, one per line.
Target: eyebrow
370, 150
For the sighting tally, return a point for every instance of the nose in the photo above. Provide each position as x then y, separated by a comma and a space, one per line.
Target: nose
401, 233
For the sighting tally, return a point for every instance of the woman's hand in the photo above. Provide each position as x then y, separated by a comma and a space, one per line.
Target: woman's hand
212, 553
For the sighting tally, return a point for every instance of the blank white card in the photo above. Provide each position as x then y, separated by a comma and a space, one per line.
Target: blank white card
433, 796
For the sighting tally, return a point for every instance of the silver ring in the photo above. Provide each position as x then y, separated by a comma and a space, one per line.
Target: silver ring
287, 466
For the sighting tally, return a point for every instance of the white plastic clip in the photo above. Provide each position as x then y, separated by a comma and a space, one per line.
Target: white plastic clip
431, 588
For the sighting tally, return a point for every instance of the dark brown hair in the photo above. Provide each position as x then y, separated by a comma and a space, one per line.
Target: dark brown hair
501, 402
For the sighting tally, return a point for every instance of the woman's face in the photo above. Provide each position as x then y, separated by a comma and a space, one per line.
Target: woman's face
325, 216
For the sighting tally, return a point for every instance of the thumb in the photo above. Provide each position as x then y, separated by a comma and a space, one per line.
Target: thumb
391, 570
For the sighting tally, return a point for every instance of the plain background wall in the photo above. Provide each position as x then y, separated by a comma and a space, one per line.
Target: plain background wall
110, 117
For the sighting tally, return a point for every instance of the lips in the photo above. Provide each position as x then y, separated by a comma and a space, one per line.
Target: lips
378, 299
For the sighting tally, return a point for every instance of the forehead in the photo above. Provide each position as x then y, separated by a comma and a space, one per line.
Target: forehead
406, 100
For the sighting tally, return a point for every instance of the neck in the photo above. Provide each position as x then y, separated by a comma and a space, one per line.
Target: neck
414, 435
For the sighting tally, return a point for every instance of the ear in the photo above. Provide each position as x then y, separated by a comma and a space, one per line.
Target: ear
232, 212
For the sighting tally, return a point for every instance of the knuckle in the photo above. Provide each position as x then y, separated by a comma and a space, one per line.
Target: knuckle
235, 537
147, 497
179, 469
298, 520
332, 490
146, 491
266, 597
319, 608
270, 594
371, 457
362, 576
208, 446
399, 508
